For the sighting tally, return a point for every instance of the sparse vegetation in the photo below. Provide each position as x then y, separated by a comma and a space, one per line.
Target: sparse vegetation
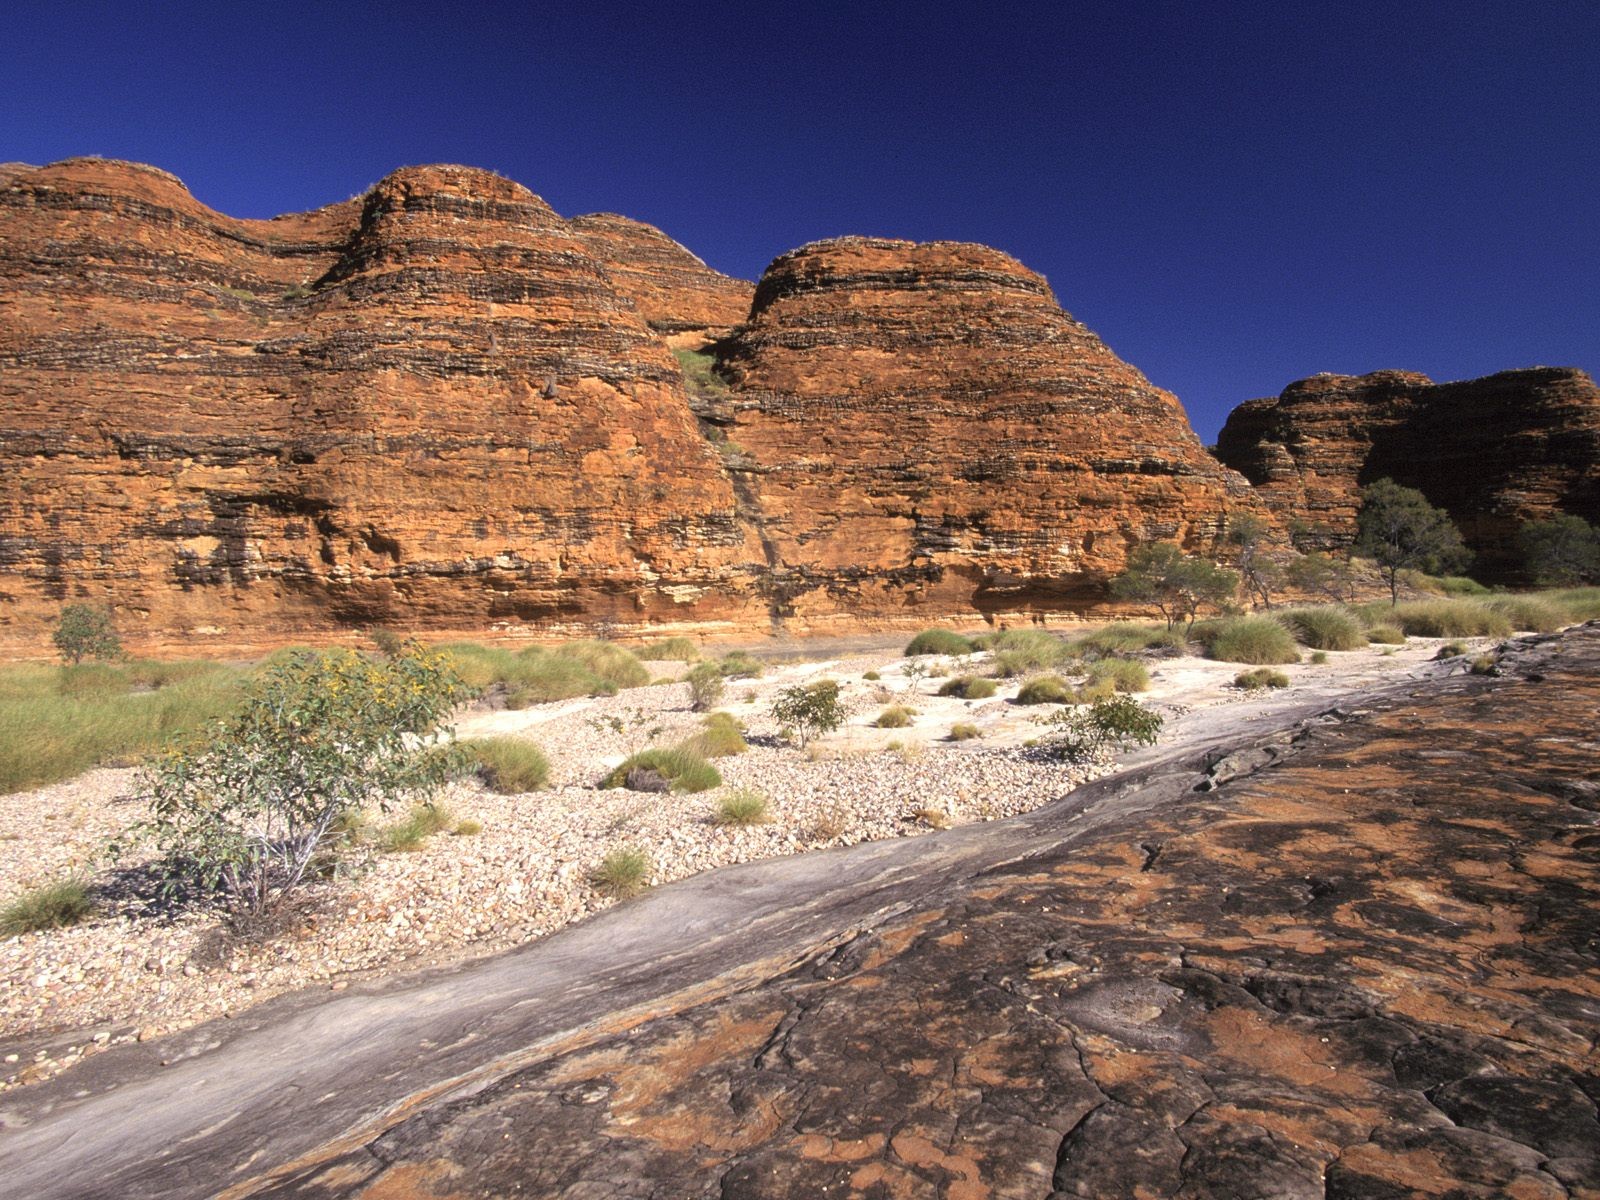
1486, 664
1319, 574
85, 631
1123, 674
681, 770
1248, 534
56, 905
535, 675
467, 829
1023, 651
1082, 734
412, 830
968, 687
1259, 640
1385, 635
722, 737
1046, 689
1450, 650
1124, 637
964, 731
672, 649
933, 818
700, 372
1261, 677
1448, 618
742, 806
809, 711
939, 641
622, 873
739, 665
1529, 613
508, 766
895, 716
706, 686
1176, 584
1324, 628
1318, 658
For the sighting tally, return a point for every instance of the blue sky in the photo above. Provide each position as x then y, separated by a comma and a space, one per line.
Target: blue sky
1234, 195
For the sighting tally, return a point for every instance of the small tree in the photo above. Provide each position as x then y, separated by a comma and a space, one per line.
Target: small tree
1114, 722
251, 807
1561, 551
1176, 583
1321, 574
1401, 531
705, 686
1248, 534
809, 711
85, 631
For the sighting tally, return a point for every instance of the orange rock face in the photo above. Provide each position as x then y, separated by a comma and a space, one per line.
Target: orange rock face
926, 427
443, 406
1493, 452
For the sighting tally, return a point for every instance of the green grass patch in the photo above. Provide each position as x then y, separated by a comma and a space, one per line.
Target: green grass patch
722, 737
1248, 640
508, 766
1536, 613
1580, 604
1449, 619
1261, 677
683, 770
57, 722
938, 641
622, 873
1124, 674
968, 687
742, 806
1046, 689
50, 906
1324, 627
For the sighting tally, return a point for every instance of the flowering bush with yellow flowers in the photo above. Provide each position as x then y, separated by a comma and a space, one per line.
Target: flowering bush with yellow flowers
251, 807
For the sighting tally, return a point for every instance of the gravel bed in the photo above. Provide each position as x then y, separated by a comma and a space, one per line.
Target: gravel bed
68, 993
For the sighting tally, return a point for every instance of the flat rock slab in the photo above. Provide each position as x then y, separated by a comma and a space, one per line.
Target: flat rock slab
1364, 962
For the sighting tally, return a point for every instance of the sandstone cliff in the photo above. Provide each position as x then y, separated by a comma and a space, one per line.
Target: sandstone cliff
1493, 452
440, 405
926, 426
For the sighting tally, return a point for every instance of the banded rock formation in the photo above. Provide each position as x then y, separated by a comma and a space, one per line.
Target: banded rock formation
1493, 452
928, 426
442, 406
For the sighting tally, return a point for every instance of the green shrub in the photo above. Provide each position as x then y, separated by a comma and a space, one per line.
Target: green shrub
1081, 734
672, 649
742, 806
85, 631
706, 687
1250, 640
1123, 674
683, 770
1318, 658
1324, 628
739, 665
1450, 618
508, 766
622, 873
412, 830
809, 711
1261, 677
1046, 689
249, 808
1535, 613
963, 731
722, 737
1385, 635
895, 716
51, 906
938, 641
968, 687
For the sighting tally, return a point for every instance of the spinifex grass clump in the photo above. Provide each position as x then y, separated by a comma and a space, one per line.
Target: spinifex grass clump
682, 770
938, 641
1580, 604
251, 806
1248, 640
722, 737
968, 687
1385, 635
507, 765
964, 731
740, 665
415, 828
49, 906
1449, 618
742, 806
1536, 613
1046, 689
56, 722
895, 716
1124, 637
1324, 628
672, 649
536, 675
1123, 674
622, 873
1261, 677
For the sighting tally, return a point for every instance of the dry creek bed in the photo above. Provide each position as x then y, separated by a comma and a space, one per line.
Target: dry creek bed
68, 993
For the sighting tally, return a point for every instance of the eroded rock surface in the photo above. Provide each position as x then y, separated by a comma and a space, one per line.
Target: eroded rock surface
924, 423
1494, 452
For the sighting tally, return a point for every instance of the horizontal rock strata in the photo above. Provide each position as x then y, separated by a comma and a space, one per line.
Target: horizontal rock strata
1494, 452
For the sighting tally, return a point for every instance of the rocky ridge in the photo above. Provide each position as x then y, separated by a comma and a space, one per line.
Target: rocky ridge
1493, 452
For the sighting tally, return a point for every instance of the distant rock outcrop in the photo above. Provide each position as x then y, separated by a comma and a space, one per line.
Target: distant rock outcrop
1494, 452
927, 426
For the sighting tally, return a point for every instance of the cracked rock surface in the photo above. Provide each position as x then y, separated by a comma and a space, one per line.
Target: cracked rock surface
1364, 965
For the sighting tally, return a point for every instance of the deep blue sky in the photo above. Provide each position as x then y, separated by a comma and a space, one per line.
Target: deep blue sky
1234, 195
